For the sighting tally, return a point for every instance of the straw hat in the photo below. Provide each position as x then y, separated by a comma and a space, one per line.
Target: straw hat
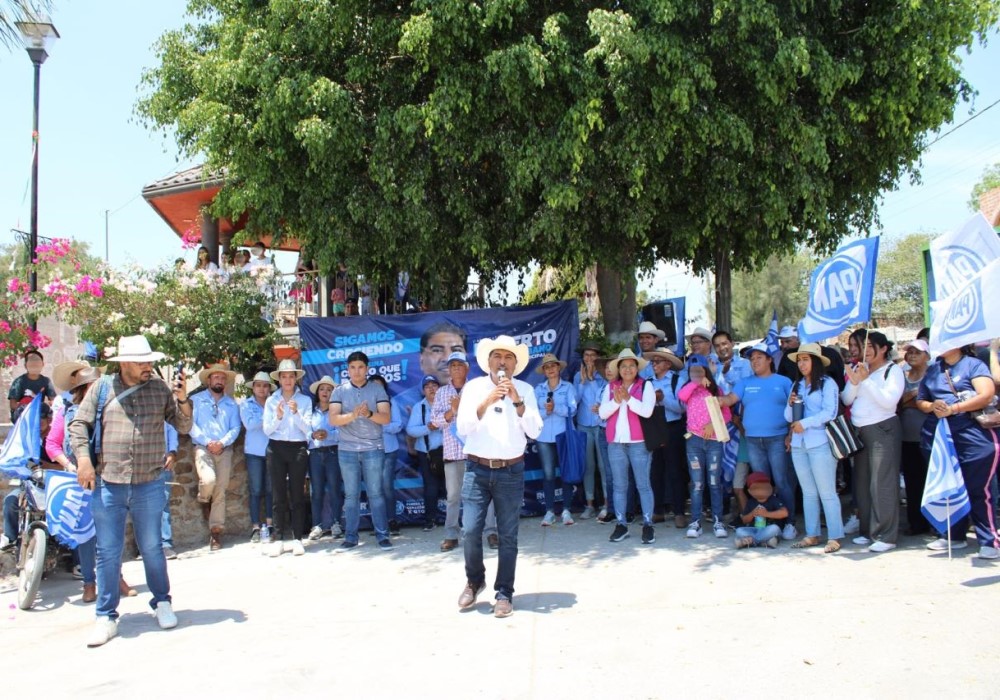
811, 349
67, 376
325, 379
649, 328
287, 366
135, 348
666, 354
549, 359
217, 368
627, 354
261, 377
501, 342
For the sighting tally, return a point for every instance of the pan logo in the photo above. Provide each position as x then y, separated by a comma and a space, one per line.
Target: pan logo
965, 315
838, 285
67, 502
960, 265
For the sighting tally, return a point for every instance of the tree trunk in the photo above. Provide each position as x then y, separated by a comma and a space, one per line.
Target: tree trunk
723, 292
617, 296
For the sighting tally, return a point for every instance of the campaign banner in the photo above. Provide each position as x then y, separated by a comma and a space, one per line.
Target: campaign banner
959, 255
405, 348
840, 291
67, 509
970, 313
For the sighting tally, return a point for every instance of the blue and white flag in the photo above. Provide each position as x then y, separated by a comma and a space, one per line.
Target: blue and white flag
771, 339
730, 451
840, 291
67, 509
960, 255
945, 497
970, 314
23, 443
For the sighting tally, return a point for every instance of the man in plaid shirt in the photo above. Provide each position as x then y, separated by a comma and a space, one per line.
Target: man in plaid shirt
126, 476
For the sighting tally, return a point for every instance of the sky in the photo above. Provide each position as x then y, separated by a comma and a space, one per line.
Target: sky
96, 156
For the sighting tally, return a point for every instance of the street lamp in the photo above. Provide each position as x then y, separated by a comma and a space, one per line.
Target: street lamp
37, 36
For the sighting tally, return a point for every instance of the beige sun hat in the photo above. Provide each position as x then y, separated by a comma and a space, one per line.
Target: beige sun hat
287, 366
135, 348
627, 354
811, 349
548, 359
67, 376
325, 379
217, 368
261, 377
501, 342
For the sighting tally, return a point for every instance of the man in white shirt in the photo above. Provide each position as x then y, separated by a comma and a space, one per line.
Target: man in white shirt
496, 422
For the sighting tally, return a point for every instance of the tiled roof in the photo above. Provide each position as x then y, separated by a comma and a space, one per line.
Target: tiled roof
186, 180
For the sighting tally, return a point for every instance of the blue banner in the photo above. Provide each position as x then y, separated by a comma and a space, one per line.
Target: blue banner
405, 348
24, 442
67, 509
840, 291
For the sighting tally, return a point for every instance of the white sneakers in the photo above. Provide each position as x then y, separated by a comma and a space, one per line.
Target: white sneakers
274, 549
852, 526
165, 615
549, 518
862, 540
694, 530
567, 517
878, 546
941, 545
989, 553
789, 532
104, 630
720, 529
296, 548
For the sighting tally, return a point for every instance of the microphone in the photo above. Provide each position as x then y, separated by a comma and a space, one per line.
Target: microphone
501, 375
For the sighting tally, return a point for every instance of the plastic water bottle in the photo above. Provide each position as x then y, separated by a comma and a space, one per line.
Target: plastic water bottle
759, 522
265, 534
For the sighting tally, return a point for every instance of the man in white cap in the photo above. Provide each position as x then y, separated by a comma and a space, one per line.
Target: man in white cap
215, 425
649, 336
788, 339
496, 422
128, 410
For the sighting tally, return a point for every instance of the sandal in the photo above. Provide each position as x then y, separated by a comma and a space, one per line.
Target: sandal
744, 542
806, 542
831, 547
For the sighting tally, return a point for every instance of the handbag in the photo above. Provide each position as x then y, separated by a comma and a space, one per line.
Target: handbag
843, 438
654, 428
988, 418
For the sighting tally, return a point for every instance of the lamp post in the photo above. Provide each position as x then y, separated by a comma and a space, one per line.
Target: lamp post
38, 36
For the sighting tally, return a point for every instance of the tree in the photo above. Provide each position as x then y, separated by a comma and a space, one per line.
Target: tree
456, 134
899, 291
990, 180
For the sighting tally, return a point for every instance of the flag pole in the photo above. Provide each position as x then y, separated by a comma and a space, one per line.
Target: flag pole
947, 512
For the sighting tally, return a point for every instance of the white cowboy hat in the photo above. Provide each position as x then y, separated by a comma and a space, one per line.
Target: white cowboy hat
325, 379
627, 354
549, 359
701, 333
135, 348
261, 377
648, 327
501, 342
666, 354
287, 366
67, 376
216, 368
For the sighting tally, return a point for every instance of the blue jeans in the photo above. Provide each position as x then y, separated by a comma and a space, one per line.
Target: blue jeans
505, 489
351, 466
768, 455
705, 457
595, 460
608, 483
389, 483
621, 455
760, 534
111, 504
259, 483
166, 528
324, 473
549, 457
10, 515
816, 468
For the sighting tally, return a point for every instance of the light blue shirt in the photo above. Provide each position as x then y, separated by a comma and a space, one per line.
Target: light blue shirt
252, 415
564, 398
739, 368
673, 409
820, 408
213, 420
170, 435
588, 394
390, 431
424, 438
321, 421
292, 427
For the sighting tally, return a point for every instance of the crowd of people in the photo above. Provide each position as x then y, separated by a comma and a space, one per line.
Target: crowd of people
658, 429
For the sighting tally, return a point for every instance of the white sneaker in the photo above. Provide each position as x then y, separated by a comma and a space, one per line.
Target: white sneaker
567, 517
720, 529
694, 530
852, 526
104, 630
941, 545
989, 553
603, 515
336, 530
275, 548
587, 513
4, 541
879, 546
861, 539
315, 533
297, 549
165, 615
549, 518
789, 532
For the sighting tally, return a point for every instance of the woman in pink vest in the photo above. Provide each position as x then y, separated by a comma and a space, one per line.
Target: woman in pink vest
624, 401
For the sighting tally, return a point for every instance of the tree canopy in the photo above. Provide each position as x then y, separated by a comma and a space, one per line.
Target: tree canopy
989, 180
445, 135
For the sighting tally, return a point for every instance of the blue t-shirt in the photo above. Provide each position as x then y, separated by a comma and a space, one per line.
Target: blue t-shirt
764, 400
972, 441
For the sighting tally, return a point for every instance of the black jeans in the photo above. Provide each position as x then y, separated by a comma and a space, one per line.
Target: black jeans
675, 455
914, 465
433, 488
288, 463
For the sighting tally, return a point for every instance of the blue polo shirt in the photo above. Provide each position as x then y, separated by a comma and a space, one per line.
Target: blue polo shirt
764, 400
972, 442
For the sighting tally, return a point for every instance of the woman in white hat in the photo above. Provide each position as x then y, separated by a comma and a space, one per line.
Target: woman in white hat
288, 425
255, 452
556, 400
324, 466
812, 404
627, 399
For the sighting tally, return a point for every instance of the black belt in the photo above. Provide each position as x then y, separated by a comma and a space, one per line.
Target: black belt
326, 448
495, 463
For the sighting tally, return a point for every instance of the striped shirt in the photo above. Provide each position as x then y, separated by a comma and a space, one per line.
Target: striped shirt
132, 440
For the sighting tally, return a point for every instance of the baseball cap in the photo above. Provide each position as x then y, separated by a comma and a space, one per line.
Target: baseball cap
428, 379
457, 357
